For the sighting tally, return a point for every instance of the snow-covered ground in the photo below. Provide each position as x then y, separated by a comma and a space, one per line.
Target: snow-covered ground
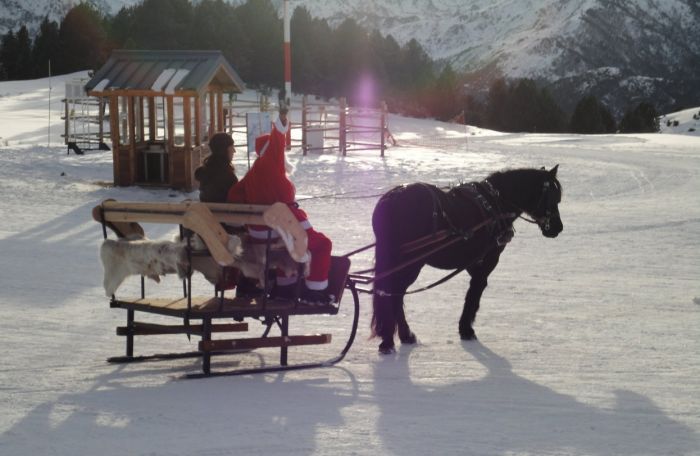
588, 343
682, 122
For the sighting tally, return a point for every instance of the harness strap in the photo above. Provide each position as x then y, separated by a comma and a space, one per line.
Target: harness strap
428, 287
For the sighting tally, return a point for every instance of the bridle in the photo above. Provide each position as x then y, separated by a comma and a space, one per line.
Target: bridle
545, 202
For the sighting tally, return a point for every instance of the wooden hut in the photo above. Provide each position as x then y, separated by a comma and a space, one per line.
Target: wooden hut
163, 106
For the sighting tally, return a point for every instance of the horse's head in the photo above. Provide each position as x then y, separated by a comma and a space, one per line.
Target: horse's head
546, 210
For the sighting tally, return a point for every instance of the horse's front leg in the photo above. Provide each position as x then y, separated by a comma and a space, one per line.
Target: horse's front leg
479, 273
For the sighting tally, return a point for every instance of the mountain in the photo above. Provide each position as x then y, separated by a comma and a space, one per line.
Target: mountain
622, 51
15, 13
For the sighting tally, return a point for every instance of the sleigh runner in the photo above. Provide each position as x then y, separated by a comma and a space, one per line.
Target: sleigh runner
204, 316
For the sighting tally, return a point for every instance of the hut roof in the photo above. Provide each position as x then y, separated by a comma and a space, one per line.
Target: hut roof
165, 72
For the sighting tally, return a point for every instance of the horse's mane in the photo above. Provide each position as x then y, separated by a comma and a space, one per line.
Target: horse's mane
504, 177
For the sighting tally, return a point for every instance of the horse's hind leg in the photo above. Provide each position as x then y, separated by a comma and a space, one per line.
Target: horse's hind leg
384, 321
405, 280
388, 307
406, 336
479, 280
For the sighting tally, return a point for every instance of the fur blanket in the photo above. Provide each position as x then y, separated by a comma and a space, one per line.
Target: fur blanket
124, 257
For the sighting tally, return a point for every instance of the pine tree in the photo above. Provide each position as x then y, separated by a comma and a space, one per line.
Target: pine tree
497, 105
642, 119
83, 40
446, 95
46, 47
303, 56
351, 58
25, 62
162, 24
9, 56
590, 117
264, 29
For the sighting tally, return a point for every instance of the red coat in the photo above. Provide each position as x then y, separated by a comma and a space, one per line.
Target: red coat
266, 182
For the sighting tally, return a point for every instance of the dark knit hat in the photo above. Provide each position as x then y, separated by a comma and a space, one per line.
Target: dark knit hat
220, 142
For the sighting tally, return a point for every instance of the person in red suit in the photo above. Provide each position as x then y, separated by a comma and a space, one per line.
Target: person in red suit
267, 182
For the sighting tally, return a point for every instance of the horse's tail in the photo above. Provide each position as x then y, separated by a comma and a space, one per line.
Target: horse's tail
385, 251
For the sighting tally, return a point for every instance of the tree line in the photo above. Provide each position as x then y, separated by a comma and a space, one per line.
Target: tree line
521, 106
363, 66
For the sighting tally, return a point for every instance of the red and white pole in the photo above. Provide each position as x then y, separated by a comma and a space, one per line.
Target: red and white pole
287, 55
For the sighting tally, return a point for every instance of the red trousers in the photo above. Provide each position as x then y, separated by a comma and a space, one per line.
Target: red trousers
318, 244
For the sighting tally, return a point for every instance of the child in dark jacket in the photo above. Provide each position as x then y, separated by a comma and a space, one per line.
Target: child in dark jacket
217, 175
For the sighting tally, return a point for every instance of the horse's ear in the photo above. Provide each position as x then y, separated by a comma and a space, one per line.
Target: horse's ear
553, 171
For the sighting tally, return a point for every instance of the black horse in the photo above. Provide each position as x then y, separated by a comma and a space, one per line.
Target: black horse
466, 227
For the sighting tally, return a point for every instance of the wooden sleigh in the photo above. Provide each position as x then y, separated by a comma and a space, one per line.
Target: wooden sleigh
216, 313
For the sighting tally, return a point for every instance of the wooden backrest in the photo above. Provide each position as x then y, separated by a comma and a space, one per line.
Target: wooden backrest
204, 219
340, 267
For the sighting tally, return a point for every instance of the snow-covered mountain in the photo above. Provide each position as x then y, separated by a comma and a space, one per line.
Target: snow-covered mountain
15, 13
622, 51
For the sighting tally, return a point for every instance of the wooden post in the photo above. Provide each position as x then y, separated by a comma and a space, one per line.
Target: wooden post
342, 142
100, 119
212, 116
142, 130
67, 122
219, 111
187, 119
124, 108
170, 132
130, 333
304, 126
114, 132
382, 127
228, 118
197, 121
131, 119
188, 141
152, 127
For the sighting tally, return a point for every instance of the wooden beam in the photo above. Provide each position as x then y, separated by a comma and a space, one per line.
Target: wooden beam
219, 111
212, 115
197, 120
170, 141
114, 133
141, 116
121, 212
100, 116
140, 93
199, 219
152, 329
263, 342
152, 119
131, 119
187, 116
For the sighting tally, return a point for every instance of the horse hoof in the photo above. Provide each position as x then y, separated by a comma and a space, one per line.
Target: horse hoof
386, 349
410, 339
471, 336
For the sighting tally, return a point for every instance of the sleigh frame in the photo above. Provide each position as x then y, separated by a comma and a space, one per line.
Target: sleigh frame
209, 316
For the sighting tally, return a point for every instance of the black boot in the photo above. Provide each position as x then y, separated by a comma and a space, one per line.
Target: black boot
316, 297
247, 288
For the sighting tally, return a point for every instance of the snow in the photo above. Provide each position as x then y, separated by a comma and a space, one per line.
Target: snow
588, 343
688, 122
